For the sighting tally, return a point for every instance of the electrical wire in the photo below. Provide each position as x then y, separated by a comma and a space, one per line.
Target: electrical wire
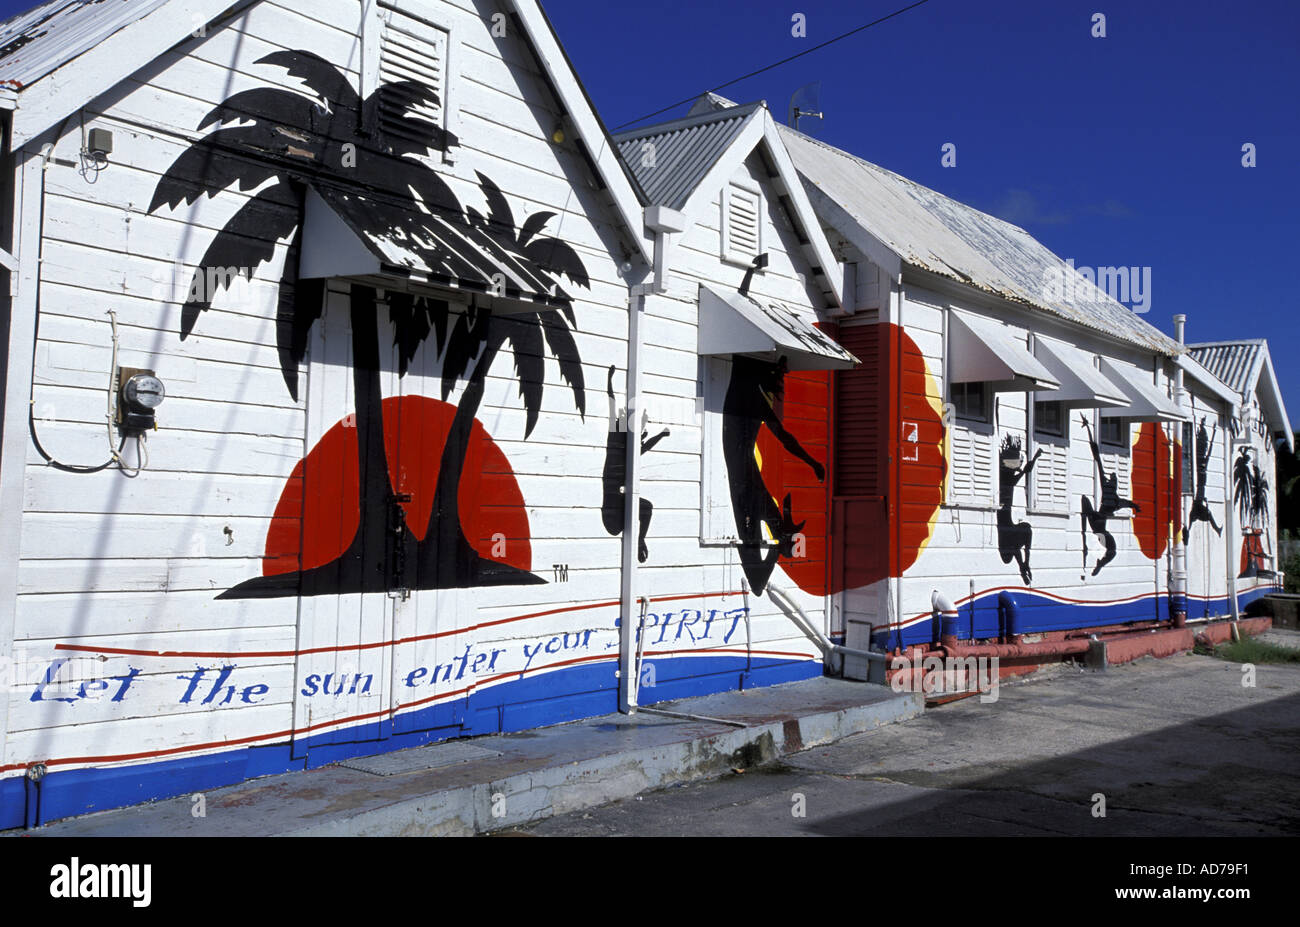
776, 64
115, 454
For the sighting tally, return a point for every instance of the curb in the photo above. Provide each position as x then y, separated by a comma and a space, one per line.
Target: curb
534, 795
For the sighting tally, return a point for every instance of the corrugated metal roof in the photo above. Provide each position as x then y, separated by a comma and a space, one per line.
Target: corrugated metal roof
1236, 363
684, 150
35, 43
936, 233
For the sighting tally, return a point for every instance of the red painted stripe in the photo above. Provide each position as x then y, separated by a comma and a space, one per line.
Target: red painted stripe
172, 751
245, 654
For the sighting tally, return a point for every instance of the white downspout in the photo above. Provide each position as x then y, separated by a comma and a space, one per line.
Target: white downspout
661, 222
1178, 579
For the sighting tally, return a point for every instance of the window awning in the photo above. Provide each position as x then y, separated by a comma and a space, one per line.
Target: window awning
734, 324
1146, 403
1083, 386
985, 351
348, 235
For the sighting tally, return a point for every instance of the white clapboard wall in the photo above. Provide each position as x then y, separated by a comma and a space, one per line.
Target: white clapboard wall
115, 572
136, 564
963, 548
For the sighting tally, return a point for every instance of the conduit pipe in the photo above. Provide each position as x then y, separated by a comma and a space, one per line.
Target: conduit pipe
946, 613
802, 622
661, 223
1178, 576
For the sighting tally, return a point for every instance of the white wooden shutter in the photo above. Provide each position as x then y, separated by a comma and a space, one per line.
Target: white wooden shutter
742, 216
1117, 463
970, 465
1051, 478
412, 50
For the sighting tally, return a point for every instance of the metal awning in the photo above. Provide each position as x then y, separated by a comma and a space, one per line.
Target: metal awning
1083, 386
1146, 403
731, 323
986, 351
349, 235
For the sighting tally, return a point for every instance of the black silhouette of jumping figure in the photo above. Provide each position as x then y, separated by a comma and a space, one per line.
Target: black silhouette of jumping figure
1015, 539
750, 403
1201, 511
1096, 519
614, 477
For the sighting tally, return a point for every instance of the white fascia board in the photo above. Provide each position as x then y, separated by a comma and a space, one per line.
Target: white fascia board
1193, 368
599, 145
28, 179
821, 255
837, 217
55, 96
1273, 392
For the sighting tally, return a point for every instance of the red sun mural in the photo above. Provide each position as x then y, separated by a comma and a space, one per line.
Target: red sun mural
1157, 480
415, 431
888, 408
803, 414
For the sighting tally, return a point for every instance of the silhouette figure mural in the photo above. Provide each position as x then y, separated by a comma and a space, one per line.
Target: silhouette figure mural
1096, 518
1250, 492
320, 139
614, 477
1201, 511
1015, 539
750, 403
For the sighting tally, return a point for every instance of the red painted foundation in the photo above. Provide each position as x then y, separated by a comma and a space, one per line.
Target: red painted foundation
1121, 646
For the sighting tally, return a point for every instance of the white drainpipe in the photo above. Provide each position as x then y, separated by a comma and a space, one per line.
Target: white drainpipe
661, 222
1178, 579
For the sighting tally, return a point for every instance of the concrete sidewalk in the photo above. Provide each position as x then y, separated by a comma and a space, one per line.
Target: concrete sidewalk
473, 786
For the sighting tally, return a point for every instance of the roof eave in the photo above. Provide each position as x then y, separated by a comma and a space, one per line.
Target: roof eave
42, 104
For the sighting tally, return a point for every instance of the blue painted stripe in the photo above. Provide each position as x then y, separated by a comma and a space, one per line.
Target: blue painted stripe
979, 619
563, 695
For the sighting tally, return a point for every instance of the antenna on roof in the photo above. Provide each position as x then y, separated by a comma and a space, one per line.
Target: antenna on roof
805, 104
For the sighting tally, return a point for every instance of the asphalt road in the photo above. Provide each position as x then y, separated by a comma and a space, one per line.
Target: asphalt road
1177, 747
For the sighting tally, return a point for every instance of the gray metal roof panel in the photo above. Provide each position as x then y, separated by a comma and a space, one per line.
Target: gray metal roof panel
684, 150
35, 43
1236, 363
936, 233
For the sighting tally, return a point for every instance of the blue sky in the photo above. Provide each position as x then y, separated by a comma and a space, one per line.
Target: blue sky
1124, 150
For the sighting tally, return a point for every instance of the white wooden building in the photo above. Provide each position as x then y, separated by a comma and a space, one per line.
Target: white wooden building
397, 284
1018, 448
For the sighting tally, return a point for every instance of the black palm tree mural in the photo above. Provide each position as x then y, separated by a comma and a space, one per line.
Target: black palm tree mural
367, 170
1250, 492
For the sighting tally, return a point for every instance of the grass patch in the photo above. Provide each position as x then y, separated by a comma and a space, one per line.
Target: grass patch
1249, 650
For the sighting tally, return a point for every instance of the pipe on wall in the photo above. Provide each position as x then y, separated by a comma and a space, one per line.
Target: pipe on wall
661, 223
1178, 581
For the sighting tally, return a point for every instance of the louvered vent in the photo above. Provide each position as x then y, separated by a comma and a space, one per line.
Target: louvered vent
1119, 464
742, 214
971, 464
411, 50
1052, 478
